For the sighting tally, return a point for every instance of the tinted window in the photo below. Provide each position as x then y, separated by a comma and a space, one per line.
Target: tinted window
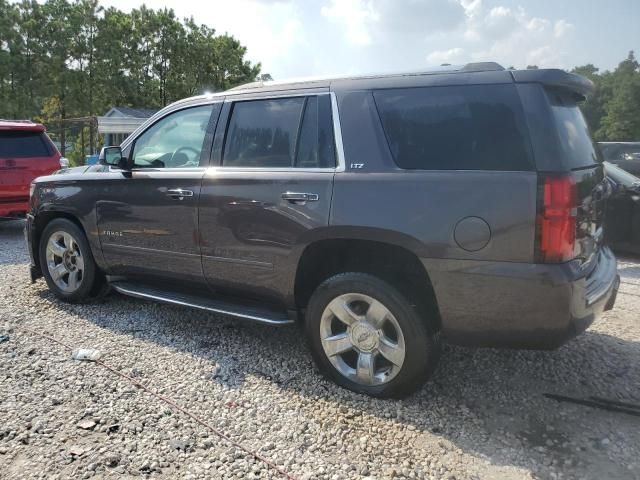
315, 146
478, 127
575, 139
23, 144
615, 152
175, 141
263, 133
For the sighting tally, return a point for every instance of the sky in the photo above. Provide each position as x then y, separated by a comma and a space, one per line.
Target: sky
301, 38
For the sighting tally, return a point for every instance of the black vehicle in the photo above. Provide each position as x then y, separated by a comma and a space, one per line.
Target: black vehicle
623, 211
625, 155
381, 212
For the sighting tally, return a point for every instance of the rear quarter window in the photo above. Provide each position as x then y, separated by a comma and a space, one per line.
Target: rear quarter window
22, 144
475, 127
578, 148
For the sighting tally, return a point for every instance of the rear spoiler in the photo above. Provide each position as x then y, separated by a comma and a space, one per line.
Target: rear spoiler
557, 79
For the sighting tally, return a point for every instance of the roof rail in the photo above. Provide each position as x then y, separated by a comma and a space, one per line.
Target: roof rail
445, 68
16, 121
244, 86
482, 67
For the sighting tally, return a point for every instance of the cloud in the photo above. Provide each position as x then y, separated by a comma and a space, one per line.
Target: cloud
453, 56
562, 28
366, 22
295, 38
513, 36
357, 17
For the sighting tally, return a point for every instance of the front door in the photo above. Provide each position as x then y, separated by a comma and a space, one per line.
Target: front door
148, 221
271, 194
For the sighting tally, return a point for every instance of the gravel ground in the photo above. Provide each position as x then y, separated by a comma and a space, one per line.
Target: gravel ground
482, 416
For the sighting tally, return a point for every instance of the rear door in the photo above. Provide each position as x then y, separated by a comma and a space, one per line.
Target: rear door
270, 195
24, 155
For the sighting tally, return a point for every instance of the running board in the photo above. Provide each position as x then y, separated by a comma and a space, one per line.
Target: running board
254, 313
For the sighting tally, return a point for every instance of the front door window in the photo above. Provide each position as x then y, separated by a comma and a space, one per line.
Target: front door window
175, 141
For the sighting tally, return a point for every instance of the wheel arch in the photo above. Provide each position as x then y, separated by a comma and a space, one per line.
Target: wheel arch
40, 222
393, 259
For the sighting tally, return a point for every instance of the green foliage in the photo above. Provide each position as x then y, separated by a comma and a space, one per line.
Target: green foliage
62, 59
613, 112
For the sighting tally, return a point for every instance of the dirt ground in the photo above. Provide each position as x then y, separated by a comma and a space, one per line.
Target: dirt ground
483, 415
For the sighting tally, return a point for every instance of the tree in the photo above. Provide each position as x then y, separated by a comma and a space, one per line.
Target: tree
593, 107
89, 58
622, 110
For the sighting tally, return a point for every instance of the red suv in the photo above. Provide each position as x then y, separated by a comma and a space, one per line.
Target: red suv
26, 152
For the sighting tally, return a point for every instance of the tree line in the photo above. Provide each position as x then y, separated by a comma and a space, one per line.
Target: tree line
613, 112
70, 59
65, 61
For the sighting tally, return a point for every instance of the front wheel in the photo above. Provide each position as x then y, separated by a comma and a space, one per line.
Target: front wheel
367, 337
67, 263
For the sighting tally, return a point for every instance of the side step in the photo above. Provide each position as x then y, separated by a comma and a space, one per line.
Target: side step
255, 313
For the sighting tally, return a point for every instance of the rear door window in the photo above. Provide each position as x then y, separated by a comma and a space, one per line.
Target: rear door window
281, 133
263, 133
315, 145
575, 139
22, 144
479, 127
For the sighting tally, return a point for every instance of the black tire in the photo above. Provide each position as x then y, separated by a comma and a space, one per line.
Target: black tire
92, 283
422, 349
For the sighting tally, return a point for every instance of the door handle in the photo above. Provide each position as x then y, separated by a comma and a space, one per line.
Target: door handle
300, 198
179, 193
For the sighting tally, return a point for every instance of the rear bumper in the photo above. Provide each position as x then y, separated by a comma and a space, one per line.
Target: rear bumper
14, 208
516, 305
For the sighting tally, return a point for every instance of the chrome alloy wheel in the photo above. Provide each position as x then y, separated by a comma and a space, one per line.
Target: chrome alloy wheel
362, 339
65, 262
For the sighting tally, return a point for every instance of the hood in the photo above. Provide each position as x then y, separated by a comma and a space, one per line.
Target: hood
82, 169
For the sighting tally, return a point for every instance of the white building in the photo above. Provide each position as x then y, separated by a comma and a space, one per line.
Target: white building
119, 122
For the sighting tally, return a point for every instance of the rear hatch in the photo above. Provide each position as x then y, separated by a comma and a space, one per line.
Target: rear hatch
583, 172
24, 155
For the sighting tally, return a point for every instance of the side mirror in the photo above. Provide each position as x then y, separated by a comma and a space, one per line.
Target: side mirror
112, 156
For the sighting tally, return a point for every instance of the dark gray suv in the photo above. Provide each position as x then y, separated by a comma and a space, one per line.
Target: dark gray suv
379, 212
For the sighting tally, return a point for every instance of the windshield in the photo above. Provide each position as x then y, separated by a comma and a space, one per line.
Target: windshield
579, 149
620, 151
619, 176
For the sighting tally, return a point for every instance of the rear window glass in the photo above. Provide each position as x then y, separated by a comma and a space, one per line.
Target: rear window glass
263, 133
620, 151
22, 144
575, 139
478, 127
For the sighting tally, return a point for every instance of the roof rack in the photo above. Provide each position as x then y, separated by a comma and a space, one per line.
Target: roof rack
483, 67
244, 86
16, 121
445, 68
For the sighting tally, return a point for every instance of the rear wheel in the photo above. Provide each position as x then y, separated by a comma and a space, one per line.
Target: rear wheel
366, 336
67, 263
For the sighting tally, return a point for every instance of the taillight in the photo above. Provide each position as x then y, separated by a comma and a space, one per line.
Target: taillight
556, 219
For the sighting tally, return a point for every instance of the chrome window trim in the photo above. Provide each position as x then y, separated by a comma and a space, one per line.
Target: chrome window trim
165, 112
248, 96
183, 170
337, 135
218, 168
